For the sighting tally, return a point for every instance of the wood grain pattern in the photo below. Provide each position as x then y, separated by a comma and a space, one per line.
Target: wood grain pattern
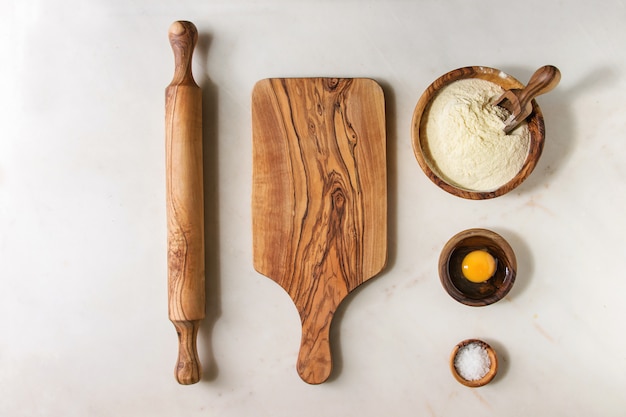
319, 198
185, 202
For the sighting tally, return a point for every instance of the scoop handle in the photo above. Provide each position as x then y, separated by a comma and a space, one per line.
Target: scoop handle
542, 81
185, 202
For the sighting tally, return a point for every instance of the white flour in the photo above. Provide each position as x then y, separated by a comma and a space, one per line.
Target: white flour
466, 141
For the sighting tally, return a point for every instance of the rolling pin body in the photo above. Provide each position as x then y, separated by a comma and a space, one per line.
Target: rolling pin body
185, 202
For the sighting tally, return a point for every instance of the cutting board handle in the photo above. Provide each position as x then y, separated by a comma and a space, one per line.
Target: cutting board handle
315, 362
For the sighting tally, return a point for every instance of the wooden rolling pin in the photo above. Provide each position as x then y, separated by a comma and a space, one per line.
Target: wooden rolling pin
185, 202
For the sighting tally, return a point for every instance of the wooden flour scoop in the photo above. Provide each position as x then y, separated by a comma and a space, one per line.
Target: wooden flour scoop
319, 198
518, 101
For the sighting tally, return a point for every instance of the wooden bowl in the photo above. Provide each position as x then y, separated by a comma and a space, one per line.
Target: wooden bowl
535, 126
472, 293
493, 368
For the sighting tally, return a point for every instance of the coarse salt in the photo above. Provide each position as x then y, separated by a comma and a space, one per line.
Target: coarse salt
472, 362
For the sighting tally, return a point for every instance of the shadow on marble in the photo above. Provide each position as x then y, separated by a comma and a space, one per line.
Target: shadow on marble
392, 172
210, 146
525, 261
561, 126
504, 360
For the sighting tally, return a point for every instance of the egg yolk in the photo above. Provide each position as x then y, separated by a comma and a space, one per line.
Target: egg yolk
478, 266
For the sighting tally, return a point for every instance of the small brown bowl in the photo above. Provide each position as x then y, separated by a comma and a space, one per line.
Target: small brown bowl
418, 126
472, 293
493, 368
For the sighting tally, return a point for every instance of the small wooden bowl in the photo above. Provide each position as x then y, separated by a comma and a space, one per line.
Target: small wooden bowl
472, 293
418, 126
493, 368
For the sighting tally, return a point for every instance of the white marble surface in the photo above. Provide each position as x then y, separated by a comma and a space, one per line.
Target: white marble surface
83, 302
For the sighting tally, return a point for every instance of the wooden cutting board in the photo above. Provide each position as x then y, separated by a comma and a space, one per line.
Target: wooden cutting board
319, 197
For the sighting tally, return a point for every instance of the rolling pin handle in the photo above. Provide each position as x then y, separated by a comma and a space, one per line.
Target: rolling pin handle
183, 37
188, 369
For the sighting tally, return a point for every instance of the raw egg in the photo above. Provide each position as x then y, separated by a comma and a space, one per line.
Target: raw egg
478, 266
